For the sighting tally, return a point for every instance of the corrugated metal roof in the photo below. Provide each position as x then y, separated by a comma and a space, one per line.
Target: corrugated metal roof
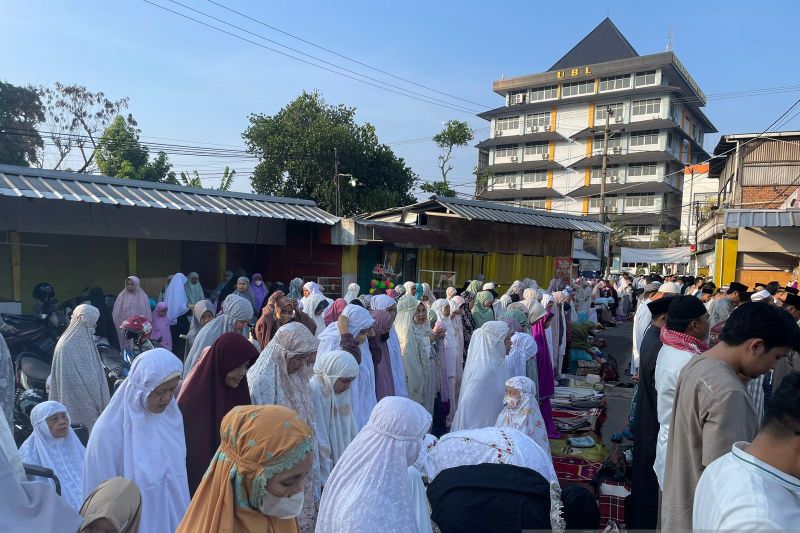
23, 182
652, 156
497, 212
624, 188
762, 218
540, 136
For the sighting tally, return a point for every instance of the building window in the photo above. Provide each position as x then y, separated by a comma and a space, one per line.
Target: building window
594, 201
642, 169
544, 93
644, 138
534, 176
534, 204
640, 200
503, 179
577, 88
645, 78
536, 148
614, 141
651, 106
508, 123
640, 230
616, 111
611, 170
506, 150
614, 83
538, 120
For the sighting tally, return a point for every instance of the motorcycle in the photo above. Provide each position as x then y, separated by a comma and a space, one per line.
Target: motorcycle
31, 388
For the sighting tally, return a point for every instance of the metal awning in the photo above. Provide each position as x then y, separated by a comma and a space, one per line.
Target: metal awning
24, 182
762, 218
584, 255
650, 156
497, 212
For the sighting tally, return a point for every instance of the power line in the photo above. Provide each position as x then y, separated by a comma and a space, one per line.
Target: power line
424, 98
344, 56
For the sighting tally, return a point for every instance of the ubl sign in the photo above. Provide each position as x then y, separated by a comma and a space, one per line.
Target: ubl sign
573, 72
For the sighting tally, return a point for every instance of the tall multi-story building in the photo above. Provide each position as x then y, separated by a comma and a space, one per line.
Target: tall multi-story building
546, 143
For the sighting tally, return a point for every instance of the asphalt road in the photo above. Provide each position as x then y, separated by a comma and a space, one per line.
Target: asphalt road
618, 399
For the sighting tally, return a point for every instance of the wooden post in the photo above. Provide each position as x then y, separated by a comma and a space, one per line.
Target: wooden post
222, 258
131, 257
16, 267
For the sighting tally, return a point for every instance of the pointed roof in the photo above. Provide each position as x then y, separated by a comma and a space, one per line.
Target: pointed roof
604, 43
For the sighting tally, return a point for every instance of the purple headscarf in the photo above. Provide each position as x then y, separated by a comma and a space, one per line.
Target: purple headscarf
259, 293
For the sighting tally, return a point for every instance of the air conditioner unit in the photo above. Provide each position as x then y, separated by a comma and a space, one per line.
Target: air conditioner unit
612, 179
498, 133
616, 149
514, 159
545, 156
519, 98
618, 119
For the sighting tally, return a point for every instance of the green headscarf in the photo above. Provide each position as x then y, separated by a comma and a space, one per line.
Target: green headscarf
519, 317
482, 314
474, 287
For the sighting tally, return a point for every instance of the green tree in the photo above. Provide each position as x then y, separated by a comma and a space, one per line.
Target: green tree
668, 239
120, 154
20, 111
299, 148
75, 116
194, 180
456, 133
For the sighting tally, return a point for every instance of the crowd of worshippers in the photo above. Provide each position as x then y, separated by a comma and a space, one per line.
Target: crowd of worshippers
297, 423
322, 417
715, 419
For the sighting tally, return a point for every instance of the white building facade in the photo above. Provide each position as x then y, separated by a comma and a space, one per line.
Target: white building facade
546, 141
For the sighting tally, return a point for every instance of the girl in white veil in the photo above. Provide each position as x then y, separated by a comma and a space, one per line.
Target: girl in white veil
350, 333
521, 411
483, 384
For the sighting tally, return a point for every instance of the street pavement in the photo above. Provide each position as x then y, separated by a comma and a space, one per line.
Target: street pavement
618, 399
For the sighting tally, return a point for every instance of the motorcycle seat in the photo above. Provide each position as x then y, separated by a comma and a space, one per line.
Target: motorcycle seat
34, 368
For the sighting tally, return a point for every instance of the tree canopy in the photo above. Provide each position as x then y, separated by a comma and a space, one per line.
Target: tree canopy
21, 110
301, 146
454, 134
119, 154
75, 116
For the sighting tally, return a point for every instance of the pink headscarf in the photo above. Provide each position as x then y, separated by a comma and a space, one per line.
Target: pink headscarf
128, 304
391, 293
161, 333
332, 313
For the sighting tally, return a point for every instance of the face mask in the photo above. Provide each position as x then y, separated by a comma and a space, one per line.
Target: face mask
283, 508
511, 402
258, 283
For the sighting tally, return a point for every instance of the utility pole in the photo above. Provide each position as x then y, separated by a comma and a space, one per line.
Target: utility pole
604, 262
337, 197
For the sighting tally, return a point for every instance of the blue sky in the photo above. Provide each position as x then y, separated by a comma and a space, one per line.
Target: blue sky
189, 82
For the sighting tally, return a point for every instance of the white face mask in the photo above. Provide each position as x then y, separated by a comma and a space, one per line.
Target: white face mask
257, 282
511, 402
283, 508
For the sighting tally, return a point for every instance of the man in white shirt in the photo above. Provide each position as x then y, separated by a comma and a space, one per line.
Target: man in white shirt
687, 324
641, 320
757, 486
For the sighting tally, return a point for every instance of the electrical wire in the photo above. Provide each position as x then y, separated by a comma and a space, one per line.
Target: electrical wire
344, 56
408, 93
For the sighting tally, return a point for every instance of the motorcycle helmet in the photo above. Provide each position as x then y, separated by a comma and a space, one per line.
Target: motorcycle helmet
26, 402
44, 291
137, 328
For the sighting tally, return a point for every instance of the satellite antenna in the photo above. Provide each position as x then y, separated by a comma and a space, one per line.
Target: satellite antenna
669, 39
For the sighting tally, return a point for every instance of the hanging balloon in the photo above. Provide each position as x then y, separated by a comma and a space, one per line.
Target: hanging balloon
372, 291
373, 283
